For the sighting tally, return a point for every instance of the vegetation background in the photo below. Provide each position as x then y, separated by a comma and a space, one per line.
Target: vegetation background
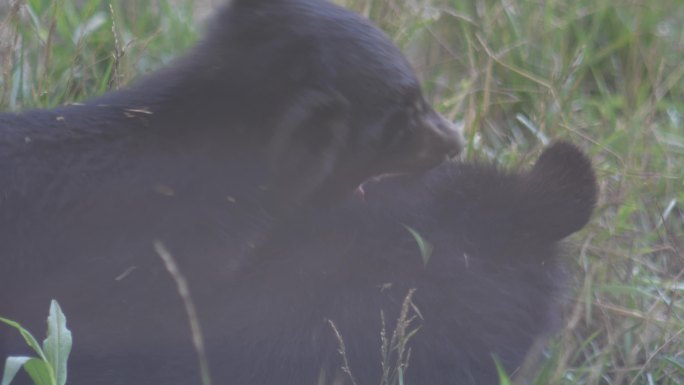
517, 74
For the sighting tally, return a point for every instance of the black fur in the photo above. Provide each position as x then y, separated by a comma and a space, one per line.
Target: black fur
314, 97
284, 103
489, 288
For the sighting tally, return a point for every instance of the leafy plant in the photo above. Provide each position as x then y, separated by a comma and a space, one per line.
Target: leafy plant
50, 367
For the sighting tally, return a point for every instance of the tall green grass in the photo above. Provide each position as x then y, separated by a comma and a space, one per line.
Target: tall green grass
57, 51
517, 74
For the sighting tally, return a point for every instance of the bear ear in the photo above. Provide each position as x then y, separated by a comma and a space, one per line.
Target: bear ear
307, 145
561, 192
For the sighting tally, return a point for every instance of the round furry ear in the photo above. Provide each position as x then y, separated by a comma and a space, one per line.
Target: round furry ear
307, 144
561, 190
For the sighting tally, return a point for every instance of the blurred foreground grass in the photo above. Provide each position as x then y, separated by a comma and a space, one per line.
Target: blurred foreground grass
517, 74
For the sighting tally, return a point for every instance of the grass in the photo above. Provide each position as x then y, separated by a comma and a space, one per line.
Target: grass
59, 51
607, 75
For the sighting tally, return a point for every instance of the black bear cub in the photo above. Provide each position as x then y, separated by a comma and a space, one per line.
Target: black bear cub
487, 289
284, 104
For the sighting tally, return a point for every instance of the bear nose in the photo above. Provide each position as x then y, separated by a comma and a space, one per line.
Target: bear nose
448, 133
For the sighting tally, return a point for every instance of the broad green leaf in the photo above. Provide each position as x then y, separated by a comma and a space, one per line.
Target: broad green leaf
57, 345
40, 371
12, 366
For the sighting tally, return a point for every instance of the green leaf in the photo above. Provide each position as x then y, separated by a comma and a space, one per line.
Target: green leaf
12, 366
30, 341
425, 247
676, 363
57, 345
503, 377
40, 371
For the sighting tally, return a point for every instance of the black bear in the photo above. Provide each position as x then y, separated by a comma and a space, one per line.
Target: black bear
310, 97
284, 104
489, 288
316, 286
